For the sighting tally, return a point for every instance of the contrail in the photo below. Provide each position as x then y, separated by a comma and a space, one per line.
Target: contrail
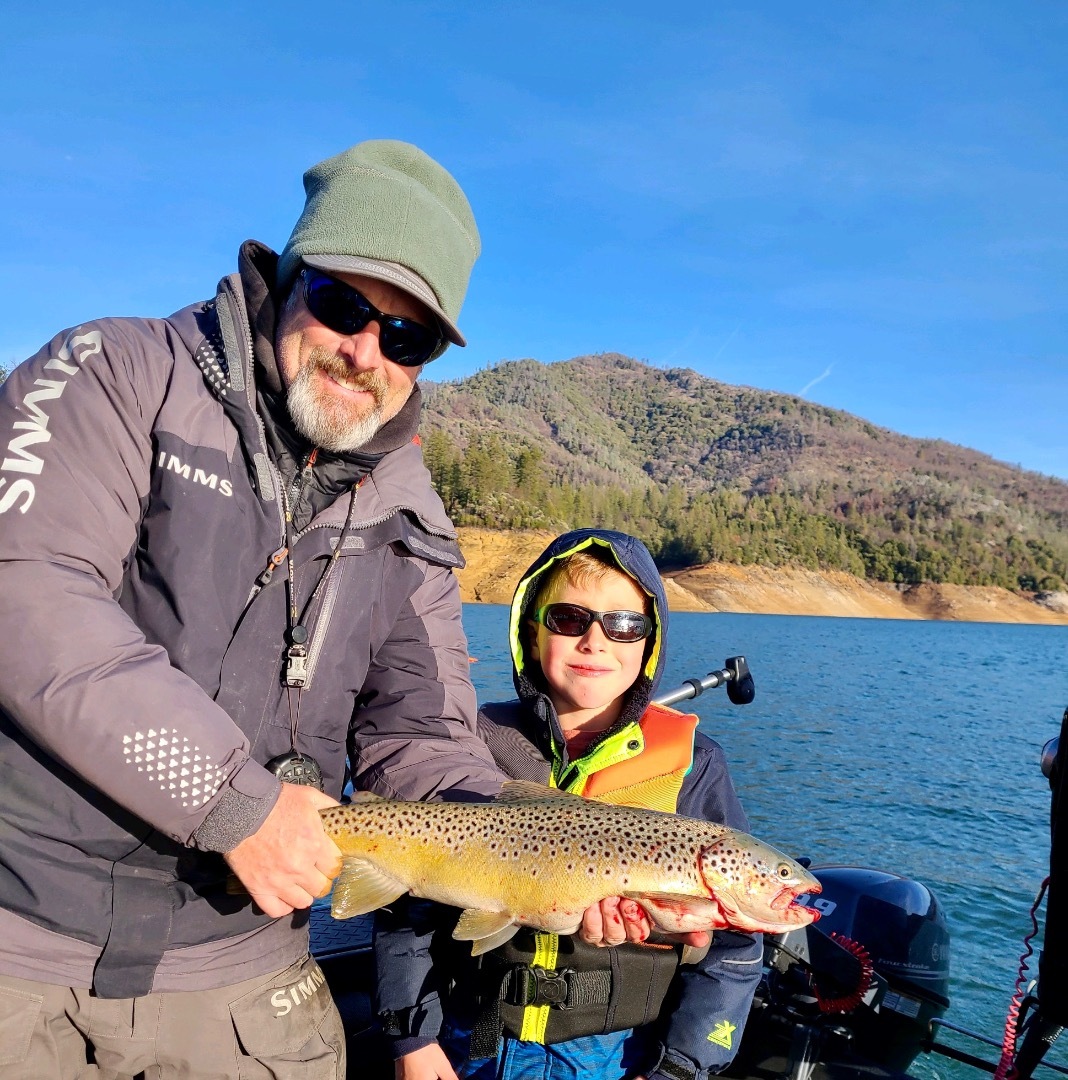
817, 379
726, 342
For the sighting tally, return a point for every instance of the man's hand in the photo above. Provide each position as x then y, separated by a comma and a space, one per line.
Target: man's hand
426, 1063
289, 860
616, 919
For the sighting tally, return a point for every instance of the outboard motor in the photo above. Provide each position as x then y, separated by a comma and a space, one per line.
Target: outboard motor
852, 995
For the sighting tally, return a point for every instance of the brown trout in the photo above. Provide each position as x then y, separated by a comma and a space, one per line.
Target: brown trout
539, 857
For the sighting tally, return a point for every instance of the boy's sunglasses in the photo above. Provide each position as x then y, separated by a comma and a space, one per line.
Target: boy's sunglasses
345, 310
571, 620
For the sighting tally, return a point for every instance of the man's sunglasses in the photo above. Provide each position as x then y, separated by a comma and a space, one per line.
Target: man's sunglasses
345, 310
571, 620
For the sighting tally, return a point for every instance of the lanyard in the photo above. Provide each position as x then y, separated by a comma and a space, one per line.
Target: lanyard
297, 637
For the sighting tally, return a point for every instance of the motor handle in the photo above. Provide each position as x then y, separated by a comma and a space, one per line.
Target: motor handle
734, 674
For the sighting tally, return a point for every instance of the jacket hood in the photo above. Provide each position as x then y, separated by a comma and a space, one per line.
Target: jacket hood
633, 558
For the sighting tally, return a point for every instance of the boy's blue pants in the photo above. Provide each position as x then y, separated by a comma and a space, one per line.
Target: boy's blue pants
614, 1056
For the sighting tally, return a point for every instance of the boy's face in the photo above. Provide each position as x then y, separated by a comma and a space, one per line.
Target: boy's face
588, 675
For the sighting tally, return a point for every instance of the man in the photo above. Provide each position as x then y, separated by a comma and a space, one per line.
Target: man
221, 558
221, 566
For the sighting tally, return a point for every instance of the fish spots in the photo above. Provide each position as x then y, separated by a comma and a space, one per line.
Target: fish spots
555, 851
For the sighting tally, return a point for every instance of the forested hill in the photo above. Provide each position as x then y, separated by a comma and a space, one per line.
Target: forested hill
703, 470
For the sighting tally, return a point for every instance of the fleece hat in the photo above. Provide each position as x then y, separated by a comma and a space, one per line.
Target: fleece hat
386, 210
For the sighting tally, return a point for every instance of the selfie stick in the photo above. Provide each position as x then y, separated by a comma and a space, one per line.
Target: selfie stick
735, 673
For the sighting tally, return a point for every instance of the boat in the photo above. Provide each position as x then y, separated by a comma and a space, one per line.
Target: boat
860, 994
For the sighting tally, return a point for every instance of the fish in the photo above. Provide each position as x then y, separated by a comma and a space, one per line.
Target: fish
538, 857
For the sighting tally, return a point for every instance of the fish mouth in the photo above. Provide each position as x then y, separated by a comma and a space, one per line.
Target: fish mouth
779, 915
786, 902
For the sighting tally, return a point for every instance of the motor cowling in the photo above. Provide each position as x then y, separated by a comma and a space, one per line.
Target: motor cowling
899, 922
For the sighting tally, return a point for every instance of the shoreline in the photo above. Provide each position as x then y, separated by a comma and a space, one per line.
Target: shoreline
495, 560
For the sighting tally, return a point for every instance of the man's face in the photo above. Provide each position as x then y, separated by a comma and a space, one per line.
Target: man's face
340, 389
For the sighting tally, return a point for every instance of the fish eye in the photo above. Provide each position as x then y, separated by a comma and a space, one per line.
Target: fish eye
784, 871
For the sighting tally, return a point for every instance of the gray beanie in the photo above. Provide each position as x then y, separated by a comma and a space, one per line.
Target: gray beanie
386, 210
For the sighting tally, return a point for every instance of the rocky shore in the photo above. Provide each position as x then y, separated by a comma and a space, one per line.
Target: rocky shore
496, 559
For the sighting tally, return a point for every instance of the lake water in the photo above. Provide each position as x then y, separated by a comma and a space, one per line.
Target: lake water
910, 747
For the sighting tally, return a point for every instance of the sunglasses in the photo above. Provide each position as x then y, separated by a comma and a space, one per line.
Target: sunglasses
571, 620
345, 310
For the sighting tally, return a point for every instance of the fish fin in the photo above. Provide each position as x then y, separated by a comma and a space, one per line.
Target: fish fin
484, 945
692, 954
525, 790
366, 796
361, 887
609, 799
657, 793
679, 913
475, 924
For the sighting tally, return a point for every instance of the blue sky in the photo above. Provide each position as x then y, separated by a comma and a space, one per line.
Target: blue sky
863, 203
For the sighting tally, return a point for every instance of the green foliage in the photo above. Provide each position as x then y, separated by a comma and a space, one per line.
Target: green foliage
704, 471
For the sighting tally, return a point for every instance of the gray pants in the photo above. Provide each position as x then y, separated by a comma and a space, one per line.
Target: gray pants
274, 1027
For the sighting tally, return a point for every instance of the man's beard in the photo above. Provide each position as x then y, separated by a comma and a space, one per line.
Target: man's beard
323, 417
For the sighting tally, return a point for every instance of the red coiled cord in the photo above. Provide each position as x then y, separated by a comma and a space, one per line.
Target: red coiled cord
848, 1002
1006, 1069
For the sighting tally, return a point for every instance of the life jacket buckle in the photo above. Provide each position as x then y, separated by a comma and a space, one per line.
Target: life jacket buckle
536, 985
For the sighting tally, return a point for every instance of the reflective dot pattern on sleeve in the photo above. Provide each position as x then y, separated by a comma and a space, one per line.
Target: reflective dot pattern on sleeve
180, 768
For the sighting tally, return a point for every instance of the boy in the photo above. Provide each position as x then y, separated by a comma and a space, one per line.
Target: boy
587, 629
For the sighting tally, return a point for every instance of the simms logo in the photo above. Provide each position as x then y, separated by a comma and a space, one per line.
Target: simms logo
199, 476
20, 459
297, 993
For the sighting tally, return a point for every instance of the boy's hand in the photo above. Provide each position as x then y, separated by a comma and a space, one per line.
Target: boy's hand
617, 919
426, 1063
614, 920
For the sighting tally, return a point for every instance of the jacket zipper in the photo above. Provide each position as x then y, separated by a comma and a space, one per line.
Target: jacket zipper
326, 610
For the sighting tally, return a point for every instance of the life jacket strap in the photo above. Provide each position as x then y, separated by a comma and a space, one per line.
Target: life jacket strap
488, 1026
565, 989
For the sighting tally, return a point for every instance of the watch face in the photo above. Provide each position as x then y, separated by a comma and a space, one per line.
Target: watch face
294, 768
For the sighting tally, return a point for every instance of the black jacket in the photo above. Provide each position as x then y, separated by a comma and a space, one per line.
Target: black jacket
142, 642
